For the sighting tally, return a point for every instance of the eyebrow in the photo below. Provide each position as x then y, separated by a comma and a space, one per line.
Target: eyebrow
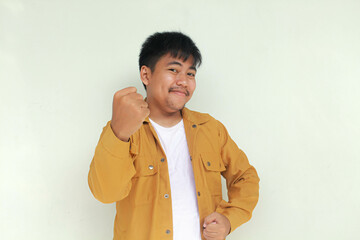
178, 63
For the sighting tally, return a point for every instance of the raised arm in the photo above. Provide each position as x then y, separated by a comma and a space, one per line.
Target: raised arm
112, 166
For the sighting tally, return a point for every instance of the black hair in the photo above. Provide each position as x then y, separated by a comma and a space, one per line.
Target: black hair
159, 44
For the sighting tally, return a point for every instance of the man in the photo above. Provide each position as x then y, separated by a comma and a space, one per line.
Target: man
162, 163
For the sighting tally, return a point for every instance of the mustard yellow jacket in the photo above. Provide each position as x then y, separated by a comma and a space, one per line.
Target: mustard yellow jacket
135, 175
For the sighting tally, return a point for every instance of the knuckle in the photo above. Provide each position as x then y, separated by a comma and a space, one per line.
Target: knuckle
136, 108
122, 99
146, 113
131, 88
117, 95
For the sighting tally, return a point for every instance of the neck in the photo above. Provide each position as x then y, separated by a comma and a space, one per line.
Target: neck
164, 119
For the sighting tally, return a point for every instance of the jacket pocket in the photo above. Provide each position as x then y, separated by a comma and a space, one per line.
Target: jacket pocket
145, 167
144, 183
213, 166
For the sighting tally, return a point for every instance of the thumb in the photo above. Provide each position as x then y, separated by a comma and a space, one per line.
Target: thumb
209, 219
126, 91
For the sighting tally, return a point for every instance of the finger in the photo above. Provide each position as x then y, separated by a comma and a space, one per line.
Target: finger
135, 95
144, 105
210, 232
209, 219
212, 228
125, 91
146, 112
140, 103
207, 236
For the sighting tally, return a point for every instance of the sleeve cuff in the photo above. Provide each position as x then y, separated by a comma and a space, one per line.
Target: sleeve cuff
234, 218
112, 144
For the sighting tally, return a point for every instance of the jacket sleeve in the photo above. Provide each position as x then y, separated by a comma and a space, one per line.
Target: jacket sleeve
111, 168
242, 182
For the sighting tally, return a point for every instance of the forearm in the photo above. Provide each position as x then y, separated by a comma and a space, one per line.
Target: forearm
242, 183
243, 194
111, 168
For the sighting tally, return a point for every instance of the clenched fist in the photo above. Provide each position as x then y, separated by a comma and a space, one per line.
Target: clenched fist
216, 226
129, 112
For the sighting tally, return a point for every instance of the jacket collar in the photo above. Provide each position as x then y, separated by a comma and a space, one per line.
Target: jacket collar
191, 116
194, 117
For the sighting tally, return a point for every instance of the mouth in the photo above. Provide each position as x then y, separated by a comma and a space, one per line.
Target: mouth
180, 91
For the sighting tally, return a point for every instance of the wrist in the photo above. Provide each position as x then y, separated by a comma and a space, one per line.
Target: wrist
122, 137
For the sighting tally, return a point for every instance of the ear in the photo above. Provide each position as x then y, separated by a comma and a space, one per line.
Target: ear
145, 74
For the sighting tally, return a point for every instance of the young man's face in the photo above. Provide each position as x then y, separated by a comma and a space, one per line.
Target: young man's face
171, 85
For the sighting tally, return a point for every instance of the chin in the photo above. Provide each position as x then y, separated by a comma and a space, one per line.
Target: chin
176, 106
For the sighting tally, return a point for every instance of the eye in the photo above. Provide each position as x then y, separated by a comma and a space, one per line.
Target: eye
191, 74
173, 70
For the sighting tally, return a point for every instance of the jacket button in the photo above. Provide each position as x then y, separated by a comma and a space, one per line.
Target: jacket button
166, 196
151, 167
162, 160
194, 126
198, 193
208, 163
167, 231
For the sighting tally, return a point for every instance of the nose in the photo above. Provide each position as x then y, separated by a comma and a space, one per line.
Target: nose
182, 80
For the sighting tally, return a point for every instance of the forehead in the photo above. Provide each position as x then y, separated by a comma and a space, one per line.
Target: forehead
167, 59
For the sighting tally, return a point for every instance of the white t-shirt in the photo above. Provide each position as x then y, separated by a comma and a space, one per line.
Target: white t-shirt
186, 221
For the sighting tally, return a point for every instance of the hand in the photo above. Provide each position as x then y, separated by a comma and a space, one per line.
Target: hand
129, 112
216, 226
